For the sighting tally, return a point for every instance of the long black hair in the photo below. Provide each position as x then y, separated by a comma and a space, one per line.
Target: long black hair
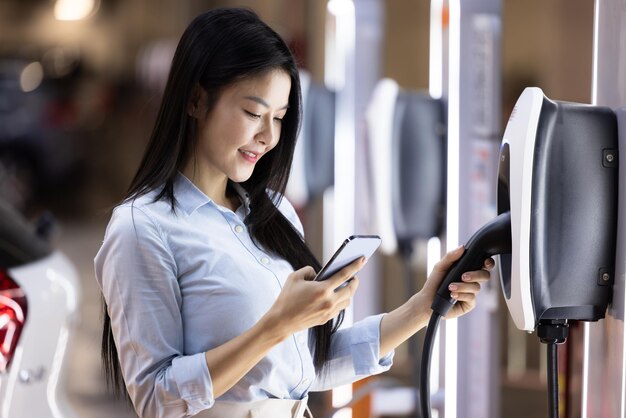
218, 48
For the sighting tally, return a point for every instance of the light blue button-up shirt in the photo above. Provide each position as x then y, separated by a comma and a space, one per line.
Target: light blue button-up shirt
180, 283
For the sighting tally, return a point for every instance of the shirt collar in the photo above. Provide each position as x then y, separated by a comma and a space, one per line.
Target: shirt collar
190, 198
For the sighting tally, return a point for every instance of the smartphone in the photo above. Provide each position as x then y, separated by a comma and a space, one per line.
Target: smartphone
353, 248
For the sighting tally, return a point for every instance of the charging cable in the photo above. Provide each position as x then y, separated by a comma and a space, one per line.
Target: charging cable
553, 332
427, 351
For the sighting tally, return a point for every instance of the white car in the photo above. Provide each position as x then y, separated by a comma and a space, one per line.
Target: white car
39, 296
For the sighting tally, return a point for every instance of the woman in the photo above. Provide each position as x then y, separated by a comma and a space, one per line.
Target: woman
204, 270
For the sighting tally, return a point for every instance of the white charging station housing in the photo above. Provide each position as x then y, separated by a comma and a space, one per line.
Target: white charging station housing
558, 178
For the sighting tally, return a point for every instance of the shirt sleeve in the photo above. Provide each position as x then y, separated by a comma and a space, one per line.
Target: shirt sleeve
138, 277
354, 354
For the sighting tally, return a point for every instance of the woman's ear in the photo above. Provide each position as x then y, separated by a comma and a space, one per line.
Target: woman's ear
195, 101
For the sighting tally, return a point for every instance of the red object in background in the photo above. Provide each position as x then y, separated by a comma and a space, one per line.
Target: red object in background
13, 309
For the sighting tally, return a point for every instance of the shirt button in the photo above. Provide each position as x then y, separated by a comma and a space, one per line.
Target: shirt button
306, 382
265, 260
238, 229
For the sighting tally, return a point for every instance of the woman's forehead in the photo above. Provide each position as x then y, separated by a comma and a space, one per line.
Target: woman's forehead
269, 89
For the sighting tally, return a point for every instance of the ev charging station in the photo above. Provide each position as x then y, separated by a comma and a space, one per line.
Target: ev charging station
558, 178
556, 229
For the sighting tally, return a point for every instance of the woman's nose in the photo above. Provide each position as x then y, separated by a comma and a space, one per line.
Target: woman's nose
267, 134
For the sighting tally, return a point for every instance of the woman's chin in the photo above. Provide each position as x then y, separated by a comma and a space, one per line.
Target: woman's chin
240, 177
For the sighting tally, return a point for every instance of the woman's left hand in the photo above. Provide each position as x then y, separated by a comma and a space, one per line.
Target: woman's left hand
401, 323
464, 292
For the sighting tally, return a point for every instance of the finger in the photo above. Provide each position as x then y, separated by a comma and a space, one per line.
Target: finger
345, 273
464, 288
461, 308
479, 276
446, 262
348, 290
489, 264
343, 305
469, 298
337, 306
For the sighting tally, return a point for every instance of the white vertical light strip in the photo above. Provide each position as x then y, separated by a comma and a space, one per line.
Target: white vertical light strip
452, 226
341, 27
433, 254
343, 15
452, 220
435, 88
332, 76
435, 59
594, 70
328, 227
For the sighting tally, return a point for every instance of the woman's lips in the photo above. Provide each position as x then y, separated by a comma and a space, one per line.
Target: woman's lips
249, 155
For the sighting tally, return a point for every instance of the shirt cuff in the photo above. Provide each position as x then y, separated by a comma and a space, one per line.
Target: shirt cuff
193, 380
366, 347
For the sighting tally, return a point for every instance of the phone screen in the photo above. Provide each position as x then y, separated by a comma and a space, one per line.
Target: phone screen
353, 248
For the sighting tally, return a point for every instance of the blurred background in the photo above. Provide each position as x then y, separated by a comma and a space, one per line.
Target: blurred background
80, 82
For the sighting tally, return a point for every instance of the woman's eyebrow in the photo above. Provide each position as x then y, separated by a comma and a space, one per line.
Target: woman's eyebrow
263, 102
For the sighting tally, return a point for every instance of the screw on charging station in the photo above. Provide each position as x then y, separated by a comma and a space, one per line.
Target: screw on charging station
610, 158
606, 277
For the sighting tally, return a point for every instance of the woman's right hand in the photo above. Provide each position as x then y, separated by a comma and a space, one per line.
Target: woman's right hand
301, 304
304, 302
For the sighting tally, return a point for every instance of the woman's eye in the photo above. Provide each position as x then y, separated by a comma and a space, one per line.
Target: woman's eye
278, 120
252, 115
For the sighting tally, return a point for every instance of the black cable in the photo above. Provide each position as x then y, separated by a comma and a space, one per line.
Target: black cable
552, 332
429, 342
553, 381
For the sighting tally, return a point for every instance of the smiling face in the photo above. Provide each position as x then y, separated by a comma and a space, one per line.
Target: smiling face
243, 125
